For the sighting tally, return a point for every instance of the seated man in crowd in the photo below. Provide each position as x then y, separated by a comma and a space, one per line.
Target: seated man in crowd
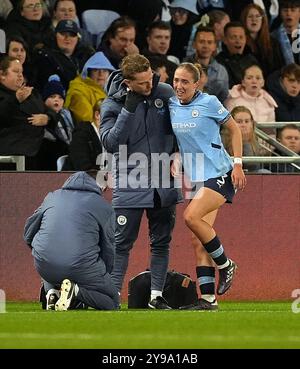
81, 258
289, 136
66, 58
235, 55
66, 9
118, 40
284, 86
158, 39
205, 46
287, 33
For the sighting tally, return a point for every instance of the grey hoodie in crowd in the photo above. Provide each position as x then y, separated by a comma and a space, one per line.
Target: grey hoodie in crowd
74, 226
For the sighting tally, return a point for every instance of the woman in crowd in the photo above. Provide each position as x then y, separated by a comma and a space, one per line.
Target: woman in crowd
23, 114
251, 146
17, 48
265, 48
250, 93
183, 15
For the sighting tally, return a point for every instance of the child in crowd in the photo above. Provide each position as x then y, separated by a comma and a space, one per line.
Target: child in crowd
58, 138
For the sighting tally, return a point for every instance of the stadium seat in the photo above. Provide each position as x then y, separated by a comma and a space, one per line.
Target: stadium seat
60, 162
96, 21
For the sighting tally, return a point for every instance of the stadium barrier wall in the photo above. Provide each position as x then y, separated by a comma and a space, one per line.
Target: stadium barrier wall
260, 231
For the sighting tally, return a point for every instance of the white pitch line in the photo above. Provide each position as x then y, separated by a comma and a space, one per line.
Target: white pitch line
88, 337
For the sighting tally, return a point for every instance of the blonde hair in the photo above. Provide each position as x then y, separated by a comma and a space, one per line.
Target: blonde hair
252, 139
133, 64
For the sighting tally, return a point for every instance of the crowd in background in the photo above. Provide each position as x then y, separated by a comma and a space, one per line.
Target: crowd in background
53, 70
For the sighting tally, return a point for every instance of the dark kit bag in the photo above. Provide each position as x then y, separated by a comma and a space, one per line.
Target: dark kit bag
179, 290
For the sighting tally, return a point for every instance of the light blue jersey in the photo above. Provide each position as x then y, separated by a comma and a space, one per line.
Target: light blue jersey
197, 128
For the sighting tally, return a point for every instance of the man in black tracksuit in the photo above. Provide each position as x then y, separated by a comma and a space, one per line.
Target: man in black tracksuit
135, 121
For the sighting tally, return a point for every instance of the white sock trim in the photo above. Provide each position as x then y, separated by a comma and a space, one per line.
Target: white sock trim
224, 265
52, 290
155, 293
210, 298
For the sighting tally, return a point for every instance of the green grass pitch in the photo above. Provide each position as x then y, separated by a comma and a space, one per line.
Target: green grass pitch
235, 325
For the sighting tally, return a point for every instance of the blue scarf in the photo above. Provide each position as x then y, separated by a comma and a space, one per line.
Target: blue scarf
285, 45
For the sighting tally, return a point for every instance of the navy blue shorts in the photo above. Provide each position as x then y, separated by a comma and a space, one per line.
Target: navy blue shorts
223, 185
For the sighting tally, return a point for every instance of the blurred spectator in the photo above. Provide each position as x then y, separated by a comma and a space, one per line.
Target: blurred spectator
23, 114
58, 138
205, 47
235, 55
218, 20
5, 8
203, 80
215, 19
2, 42
158, 65
284, 86
251, 147
234, 7
66, 59
85, 146
17, 48
66, 9
288, 32
119, 6
250, 93
28, 22
119, 40
204, 5
158, 40
183, 15
289, 136
165, 14
264, 47
144, 13
88, 88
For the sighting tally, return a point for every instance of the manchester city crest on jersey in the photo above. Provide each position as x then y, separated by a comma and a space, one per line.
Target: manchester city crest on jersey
158, 103
122, 220
195, 113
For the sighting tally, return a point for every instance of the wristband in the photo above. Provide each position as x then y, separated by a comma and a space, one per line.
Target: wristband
238, 161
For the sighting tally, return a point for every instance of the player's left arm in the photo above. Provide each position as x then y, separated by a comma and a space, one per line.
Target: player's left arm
238, 176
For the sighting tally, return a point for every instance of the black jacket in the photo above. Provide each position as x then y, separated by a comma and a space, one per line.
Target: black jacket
17, 136
33, 32
235, 64
84, 148
288, 109
48, 61
147, 131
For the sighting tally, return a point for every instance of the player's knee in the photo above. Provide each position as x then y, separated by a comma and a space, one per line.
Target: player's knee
189, 219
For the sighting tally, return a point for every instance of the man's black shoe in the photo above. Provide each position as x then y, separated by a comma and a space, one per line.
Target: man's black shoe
159, 303
226, 277
51, 299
